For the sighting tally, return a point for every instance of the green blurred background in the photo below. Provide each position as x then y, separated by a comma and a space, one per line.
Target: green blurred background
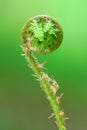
23, 106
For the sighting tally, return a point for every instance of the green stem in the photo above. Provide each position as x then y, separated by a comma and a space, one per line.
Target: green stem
48, 85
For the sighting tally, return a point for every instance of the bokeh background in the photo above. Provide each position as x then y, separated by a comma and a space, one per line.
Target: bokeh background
23, 106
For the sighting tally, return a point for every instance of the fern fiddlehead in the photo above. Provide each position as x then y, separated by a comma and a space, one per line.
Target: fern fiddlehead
43, 35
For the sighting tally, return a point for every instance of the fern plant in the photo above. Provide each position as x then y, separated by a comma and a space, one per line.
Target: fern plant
43, 35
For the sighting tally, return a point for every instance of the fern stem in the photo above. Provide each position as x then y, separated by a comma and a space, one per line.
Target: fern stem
46, 85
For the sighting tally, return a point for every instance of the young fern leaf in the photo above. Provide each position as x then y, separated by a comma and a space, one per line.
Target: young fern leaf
43, 35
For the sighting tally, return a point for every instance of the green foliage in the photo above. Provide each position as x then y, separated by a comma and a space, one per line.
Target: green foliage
44, 33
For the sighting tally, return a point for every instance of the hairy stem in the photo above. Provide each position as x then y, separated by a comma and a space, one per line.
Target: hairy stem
48, 85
